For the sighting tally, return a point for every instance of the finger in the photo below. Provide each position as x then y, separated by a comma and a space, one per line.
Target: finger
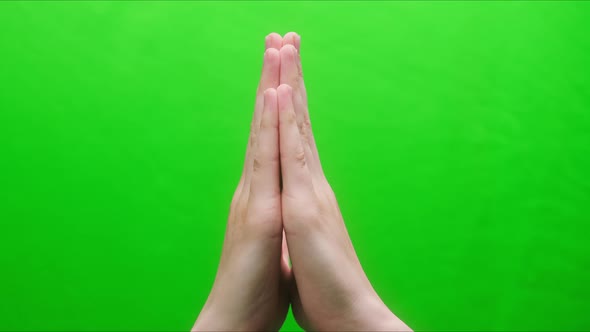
292, 38
291, 75
289, 72
270, 70
294, 169
273, 40
301, 107
268, 79
265, 170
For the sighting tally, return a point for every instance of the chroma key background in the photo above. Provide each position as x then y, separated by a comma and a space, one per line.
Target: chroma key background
455, 134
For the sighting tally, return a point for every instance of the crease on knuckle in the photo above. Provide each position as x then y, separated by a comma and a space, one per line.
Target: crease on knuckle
307, 124
299, 157
301, 126
253, 139
305, 140
256, 164
305, 132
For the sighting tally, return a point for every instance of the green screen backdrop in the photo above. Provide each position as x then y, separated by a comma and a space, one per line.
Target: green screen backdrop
456, 136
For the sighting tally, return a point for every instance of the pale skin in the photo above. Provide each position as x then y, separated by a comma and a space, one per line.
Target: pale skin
284, 209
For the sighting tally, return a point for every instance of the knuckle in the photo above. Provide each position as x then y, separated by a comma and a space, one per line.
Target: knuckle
301, 127
299, 157
256, 163
290, 117
252, 139
305, 133
304, 139
307, 124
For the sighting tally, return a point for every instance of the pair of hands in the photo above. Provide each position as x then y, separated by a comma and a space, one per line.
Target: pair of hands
284, 208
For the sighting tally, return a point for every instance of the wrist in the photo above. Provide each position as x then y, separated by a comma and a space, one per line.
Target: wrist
227, 316
374, 315
212, 318
208, 320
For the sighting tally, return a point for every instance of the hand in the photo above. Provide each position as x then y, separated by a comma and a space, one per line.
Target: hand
251, 287
326, 286
331, 290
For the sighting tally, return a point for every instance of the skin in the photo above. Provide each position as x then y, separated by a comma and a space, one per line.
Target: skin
285, 208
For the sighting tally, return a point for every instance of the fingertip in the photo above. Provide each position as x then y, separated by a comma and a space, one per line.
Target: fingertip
273, 35
273, 40
270, 98
290, 38
271, 55
270, 92
266, 42
284, 91
288, 51
270, 76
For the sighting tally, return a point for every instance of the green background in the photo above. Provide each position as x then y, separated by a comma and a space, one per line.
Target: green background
456, 136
